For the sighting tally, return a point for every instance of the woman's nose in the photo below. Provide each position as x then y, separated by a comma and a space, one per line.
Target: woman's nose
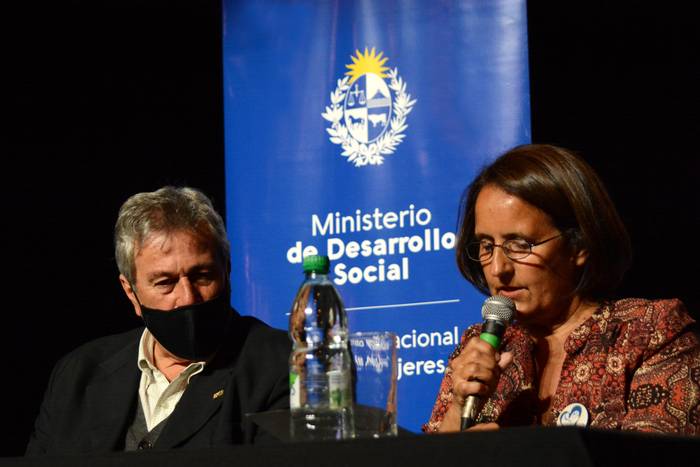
500, 263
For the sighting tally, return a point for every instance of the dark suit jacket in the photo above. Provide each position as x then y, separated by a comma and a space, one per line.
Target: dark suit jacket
92, 394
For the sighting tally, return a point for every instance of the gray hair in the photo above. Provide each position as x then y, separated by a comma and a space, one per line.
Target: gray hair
168, 209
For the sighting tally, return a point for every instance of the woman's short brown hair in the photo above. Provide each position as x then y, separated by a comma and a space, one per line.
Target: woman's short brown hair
566, 188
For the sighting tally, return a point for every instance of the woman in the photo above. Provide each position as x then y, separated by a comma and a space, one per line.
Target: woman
538, 227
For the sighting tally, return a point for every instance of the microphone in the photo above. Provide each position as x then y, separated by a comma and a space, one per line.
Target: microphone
497, 312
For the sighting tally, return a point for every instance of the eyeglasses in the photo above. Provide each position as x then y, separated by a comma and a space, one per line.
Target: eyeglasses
514, 248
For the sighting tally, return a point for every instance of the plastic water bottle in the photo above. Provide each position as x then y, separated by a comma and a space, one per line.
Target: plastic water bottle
319, 366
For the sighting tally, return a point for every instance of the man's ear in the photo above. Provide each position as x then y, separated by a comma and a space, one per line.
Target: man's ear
129, 291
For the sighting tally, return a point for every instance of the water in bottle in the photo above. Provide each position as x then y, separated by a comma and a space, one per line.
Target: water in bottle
319, 365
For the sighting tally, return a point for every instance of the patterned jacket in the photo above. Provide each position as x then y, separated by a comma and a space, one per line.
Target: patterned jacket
634, 364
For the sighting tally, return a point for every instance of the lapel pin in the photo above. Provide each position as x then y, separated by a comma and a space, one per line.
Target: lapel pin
217, 394
573, 415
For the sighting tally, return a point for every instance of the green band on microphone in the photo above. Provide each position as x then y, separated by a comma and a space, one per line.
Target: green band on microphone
492, 339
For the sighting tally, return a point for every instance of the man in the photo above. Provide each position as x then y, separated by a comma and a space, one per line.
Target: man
189, 377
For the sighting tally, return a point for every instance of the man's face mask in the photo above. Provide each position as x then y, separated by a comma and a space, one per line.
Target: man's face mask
192, 332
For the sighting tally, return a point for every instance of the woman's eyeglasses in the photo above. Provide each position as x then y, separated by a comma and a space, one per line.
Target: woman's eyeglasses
514, 248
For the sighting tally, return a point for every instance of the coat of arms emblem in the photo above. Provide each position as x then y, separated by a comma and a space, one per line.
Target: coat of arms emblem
368, 110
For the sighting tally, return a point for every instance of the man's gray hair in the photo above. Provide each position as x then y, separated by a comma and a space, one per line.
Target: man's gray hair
168, 209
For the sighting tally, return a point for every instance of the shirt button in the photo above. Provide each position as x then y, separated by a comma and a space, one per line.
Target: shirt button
145, 444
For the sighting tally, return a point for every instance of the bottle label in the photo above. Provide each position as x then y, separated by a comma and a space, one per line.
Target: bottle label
294, 391
338, 389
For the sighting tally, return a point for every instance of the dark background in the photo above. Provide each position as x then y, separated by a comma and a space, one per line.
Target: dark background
107, 98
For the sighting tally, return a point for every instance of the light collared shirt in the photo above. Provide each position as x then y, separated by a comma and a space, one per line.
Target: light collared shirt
158, 395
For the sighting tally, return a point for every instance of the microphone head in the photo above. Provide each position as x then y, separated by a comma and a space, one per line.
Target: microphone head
498, 308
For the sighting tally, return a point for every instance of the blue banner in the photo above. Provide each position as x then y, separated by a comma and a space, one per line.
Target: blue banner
352, 129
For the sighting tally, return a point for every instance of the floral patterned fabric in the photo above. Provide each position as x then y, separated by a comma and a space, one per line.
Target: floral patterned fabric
634, 364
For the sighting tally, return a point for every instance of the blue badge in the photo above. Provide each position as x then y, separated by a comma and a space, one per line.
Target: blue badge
573, 415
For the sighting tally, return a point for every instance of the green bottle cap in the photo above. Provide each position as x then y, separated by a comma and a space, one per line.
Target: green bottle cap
317, 263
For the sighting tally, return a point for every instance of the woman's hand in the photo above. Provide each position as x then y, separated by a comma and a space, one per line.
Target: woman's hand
475, 371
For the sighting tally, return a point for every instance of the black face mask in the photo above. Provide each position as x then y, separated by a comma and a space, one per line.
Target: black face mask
193, 332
